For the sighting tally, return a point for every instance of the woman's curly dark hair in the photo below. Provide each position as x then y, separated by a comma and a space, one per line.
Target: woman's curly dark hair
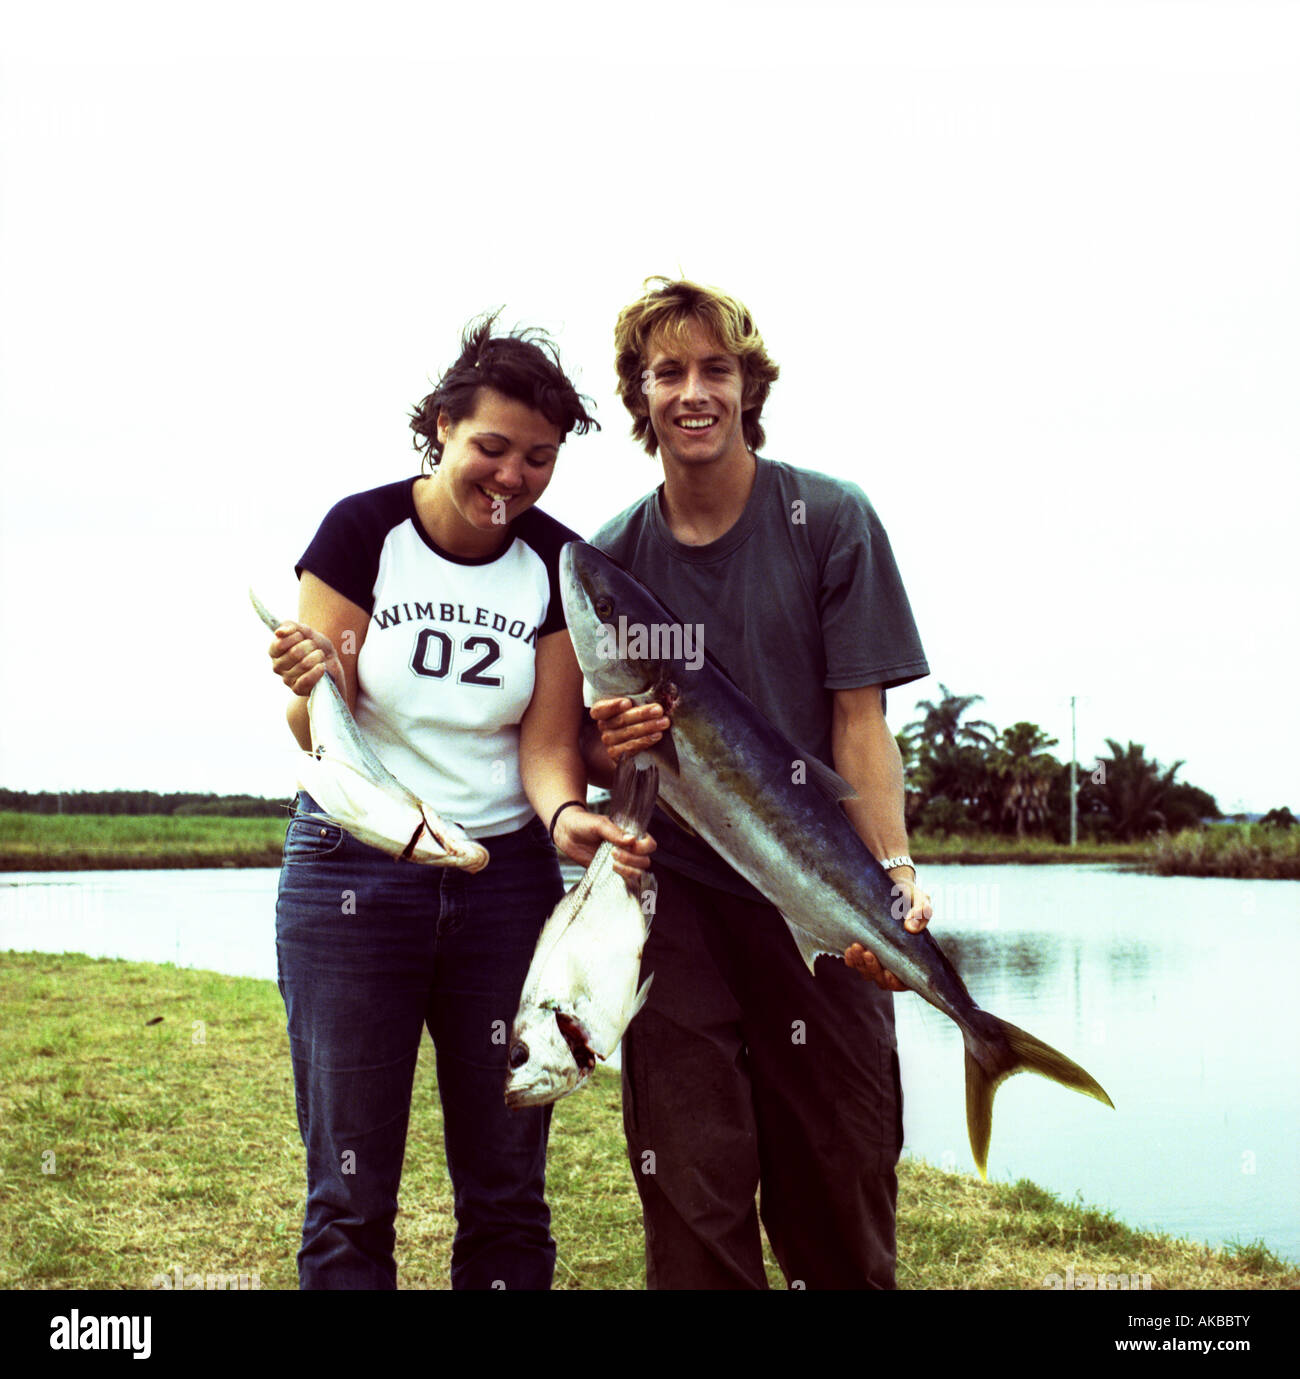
523, 364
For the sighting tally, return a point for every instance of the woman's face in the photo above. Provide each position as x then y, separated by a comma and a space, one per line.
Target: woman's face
495, 464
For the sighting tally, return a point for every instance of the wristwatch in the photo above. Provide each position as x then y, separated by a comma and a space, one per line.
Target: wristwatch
889, 863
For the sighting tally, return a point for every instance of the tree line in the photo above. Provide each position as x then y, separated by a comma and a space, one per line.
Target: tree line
963, 775
141, 802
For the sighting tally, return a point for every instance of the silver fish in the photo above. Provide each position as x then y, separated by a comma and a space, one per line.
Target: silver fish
357, 792
737, 781
581, 992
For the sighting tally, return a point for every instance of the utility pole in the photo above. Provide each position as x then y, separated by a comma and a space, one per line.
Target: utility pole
1074, 794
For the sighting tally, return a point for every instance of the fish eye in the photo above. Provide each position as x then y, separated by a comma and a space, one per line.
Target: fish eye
604, 607
519, 1055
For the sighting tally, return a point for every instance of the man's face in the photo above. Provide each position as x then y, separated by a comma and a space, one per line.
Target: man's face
694, 392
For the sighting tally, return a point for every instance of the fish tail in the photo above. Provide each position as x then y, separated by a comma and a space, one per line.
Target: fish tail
632, 800
264, 612
997, 1050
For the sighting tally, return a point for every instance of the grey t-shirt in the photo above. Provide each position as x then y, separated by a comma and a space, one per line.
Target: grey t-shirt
799, 598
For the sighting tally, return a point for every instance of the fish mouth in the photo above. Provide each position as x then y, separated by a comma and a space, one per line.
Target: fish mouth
520, 1098
556, 1083
582, 592
586, 626
546, 1094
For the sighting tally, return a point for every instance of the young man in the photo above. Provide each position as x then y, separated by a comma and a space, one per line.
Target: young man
743, 1072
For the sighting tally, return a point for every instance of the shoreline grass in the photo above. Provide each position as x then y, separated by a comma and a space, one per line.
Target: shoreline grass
1238, 850
150, 1126
992, 848
107, 842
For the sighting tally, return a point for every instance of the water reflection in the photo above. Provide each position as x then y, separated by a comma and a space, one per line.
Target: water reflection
994, 961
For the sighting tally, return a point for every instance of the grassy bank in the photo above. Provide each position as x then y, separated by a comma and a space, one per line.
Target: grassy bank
132, 1148
1242, 850
91, 842
69, 842
997, 847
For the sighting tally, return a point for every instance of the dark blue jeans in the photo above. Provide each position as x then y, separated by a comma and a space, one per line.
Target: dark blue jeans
371, 950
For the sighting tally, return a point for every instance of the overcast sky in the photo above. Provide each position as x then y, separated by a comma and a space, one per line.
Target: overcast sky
1029, 270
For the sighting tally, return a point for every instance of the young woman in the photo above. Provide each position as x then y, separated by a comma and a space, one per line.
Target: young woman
434, 604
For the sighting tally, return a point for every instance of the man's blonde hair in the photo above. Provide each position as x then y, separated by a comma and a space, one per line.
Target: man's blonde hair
664, 315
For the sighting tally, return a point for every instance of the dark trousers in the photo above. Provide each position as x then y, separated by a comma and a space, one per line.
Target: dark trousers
743, 1072
371, 950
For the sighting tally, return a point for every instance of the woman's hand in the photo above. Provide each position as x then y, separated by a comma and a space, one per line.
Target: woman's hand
626, 729
579, 832
300, 656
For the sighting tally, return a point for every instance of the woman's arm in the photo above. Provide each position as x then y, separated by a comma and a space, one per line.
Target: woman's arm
551, 765
326, 639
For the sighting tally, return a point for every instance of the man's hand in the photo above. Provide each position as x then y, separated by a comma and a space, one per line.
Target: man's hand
626, 729
918, 914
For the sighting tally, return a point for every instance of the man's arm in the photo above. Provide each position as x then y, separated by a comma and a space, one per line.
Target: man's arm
865, 754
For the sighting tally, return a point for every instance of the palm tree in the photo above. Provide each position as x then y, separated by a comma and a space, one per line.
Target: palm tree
940, 726
951, 755
1026, 771
1133, 789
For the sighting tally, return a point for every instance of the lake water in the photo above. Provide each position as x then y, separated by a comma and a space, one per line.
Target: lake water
1177, 994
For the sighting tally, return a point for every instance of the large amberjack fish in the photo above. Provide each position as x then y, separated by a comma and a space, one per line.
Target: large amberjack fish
730, 775
356, 791
581, 992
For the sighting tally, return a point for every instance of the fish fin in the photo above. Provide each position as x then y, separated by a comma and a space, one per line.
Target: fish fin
650, 887
997, 1050
667, 752
829, 782
642, 992
676, 818
810, 947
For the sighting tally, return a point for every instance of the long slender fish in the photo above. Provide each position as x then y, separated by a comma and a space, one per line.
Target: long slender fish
732, 776
357, 792
581, 991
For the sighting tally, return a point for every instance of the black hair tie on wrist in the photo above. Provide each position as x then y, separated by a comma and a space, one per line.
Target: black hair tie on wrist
555, 818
